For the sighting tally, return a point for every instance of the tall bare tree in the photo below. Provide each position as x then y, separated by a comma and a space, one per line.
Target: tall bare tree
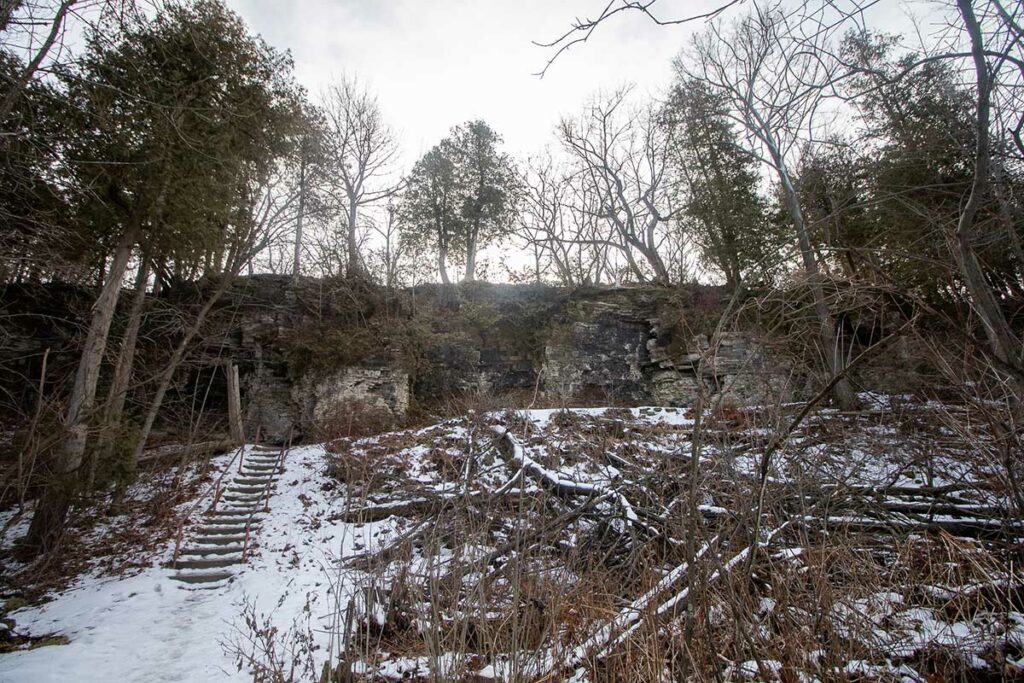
622, 157
365, 152
559, 224
773, 69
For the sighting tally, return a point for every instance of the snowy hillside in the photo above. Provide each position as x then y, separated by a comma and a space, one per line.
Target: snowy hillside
557, 545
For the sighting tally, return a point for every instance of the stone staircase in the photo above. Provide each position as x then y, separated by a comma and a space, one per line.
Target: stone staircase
218, 544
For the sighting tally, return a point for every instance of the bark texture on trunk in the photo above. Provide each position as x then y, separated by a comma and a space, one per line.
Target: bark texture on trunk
297, 261
48, 522
470, 259
1003, 342
234, 405
442, 265
353, 247
113, 410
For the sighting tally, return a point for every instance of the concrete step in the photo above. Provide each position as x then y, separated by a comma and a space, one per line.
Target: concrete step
210, 562
208, 551
202, 577
225, 536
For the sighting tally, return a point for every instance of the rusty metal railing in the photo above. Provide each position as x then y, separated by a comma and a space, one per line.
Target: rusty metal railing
217, 488
265, 497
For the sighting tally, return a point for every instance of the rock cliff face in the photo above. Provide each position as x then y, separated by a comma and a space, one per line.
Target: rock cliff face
598, 346
618, 345
315, 349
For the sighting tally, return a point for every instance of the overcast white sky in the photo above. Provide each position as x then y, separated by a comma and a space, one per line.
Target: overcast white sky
437, 63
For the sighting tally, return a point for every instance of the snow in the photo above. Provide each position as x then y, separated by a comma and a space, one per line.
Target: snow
149, 628
651, 414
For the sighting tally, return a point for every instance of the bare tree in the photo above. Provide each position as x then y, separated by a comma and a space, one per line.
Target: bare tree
621, 157
390, 253
773, 68
583, 28
1005, 346
53, 20
365, 152
559, 224
541, 217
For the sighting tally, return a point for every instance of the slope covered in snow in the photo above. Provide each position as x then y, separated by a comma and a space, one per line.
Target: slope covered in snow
560, 544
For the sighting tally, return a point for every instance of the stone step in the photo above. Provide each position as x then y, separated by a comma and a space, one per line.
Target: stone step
225, 536
202, 577
228, 515
243, 497
248, 488
258, 467
209, 562
247, 508
204, 551
252, 481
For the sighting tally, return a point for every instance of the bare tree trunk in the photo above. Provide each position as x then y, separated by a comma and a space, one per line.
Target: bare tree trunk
841, 392
353, 247
471, 257
234, 405
442, 264
48, 521
1004, 345
297, 263
114, 408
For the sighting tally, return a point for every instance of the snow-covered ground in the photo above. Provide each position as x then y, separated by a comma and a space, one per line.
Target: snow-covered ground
148, 627
626, 465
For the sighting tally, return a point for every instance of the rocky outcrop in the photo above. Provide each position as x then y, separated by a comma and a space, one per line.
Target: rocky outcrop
306, 347
615, 346
383, 391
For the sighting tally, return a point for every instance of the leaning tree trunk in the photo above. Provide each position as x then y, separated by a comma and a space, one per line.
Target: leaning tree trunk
1002, 340
842, 392
113, 411
48, 521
